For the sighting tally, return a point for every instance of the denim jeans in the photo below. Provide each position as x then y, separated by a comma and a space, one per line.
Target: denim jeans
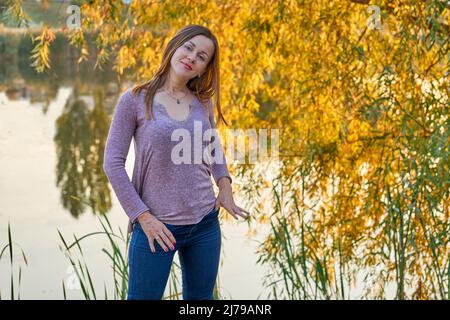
198, 247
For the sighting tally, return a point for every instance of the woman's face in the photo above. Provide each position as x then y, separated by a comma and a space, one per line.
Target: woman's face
194, 53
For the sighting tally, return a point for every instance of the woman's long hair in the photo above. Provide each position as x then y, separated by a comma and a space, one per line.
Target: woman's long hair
204, 87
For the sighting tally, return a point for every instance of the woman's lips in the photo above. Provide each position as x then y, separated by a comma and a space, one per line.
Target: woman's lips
186, 66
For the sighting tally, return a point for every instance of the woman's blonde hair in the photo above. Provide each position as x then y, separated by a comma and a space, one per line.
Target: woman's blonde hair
204, 87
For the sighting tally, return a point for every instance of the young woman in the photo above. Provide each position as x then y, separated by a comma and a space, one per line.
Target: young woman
170, 203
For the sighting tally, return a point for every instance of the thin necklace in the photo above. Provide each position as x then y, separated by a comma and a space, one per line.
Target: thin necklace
177, 99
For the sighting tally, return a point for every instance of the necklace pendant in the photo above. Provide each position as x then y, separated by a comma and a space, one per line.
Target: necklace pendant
178, 101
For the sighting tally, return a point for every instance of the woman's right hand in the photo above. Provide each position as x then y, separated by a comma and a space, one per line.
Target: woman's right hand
156, 230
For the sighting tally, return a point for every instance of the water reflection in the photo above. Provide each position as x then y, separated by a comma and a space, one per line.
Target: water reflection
82, 127
20, 81
81, 132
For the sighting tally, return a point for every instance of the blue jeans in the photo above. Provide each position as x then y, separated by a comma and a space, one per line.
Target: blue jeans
198, 247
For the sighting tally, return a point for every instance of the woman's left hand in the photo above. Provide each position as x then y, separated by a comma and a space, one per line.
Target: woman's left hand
225, 199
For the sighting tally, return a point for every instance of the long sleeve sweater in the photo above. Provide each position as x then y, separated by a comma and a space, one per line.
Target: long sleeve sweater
175, 188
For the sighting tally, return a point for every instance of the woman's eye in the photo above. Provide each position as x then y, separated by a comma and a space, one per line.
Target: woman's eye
190, 48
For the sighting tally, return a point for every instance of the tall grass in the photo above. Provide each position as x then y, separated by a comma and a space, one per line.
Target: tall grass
300, 263
306, 267
10, 247
403, 252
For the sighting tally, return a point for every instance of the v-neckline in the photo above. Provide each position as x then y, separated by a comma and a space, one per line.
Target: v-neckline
191, 110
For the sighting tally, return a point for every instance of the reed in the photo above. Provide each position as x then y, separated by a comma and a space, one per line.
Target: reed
13, 283
403, 253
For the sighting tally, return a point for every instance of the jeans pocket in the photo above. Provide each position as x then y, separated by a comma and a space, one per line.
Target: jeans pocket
212, 215
215, 212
